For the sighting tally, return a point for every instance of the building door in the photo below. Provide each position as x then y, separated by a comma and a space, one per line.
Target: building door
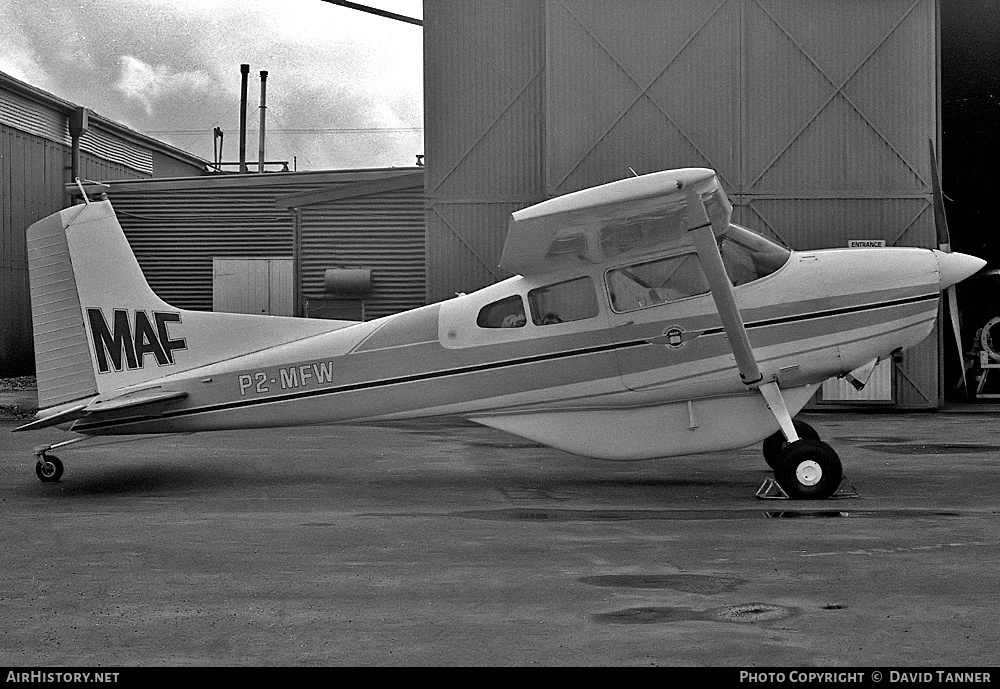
253, 285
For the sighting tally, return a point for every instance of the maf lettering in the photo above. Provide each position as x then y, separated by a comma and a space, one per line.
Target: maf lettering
120, 346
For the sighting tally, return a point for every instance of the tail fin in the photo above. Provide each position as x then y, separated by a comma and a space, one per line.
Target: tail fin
98, 326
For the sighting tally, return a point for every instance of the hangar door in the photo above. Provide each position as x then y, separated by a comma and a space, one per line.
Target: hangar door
484, 72
815, 114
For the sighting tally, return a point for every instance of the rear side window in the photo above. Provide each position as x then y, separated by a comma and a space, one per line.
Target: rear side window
573, 300
506, 313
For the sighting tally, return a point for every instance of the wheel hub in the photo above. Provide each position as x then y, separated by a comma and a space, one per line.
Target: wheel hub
808, 473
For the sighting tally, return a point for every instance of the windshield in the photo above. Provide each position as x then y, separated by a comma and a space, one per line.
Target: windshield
749, 256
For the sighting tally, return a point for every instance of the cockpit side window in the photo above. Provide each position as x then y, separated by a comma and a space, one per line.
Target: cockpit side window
562, 302
506, 313
749, 256
655, 282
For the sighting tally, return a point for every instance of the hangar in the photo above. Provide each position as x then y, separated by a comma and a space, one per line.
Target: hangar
817, 116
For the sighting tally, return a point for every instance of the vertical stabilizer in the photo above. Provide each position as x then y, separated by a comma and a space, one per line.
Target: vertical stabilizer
99, 328
95, 317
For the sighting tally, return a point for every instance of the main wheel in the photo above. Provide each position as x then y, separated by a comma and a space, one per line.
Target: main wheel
809, 470
49, 468
774, 444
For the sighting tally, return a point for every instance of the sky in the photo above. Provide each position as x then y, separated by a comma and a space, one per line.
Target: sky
344, 88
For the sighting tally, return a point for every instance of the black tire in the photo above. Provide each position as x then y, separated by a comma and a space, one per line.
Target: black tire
51, 470
809, 470
774, 444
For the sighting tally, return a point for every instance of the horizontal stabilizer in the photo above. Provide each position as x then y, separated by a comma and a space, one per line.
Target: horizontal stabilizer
65, 416
100, 406
134, 399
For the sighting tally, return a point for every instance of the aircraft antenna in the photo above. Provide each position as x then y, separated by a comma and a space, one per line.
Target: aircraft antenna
79, 183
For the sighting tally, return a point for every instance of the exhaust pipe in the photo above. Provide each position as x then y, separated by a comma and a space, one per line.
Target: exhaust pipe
263, 109
244, 72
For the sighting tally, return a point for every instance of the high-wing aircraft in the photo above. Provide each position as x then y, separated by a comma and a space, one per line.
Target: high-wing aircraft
641, 323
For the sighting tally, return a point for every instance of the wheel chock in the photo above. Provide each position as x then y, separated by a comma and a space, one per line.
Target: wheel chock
770, 490
845, 490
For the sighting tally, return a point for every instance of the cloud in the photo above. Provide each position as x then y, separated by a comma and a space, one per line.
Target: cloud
146, 83
171, 69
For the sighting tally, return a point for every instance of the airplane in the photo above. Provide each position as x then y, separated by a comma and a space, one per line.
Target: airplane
640, 323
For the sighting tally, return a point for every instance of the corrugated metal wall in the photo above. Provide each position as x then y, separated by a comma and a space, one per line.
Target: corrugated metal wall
26, 162
33, 174
30, 117
816, 115
176, 228
384, 232
108, 147
26, 115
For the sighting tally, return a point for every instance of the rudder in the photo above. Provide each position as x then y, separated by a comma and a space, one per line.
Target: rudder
62, 355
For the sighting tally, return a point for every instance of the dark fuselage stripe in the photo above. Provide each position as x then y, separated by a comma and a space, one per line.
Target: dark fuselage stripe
844, 310
479, 368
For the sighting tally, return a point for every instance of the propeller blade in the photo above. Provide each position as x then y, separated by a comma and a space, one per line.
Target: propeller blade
944, 244
940, 219
956, 331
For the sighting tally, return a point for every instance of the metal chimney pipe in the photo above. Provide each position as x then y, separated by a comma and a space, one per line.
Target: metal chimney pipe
244, 72
263, 109
79, 123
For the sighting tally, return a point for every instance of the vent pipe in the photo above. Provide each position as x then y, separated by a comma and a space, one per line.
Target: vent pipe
263, 109
244, 72
217, 137
79, 123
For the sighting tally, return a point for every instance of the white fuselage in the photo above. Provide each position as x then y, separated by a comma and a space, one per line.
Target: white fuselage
596, 386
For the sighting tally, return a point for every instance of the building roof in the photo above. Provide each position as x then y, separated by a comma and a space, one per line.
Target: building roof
64, 107
348, 183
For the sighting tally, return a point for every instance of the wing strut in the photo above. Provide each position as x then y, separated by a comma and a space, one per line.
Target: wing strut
706, 246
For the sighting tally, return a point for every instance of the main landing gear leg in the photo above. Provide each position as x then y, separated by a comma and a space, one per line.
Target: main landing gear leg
49, 467
805, 467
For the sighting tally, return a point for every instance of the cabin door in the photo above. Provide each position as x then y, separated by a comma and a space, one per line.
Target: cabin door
659, 308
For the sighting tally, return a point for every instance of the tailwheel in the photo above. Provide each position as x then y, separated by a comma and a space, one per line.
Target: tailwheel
49, 468
776, 443
808, 469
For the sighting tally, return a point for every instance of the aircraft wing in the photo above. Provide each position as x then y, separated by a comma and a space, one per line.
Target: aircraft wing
630, 216
98, 405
